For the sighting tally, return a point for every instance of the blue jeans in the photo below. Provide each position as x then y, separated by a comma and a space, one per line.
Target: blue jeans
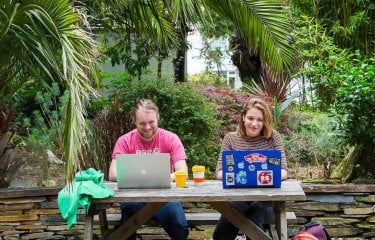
255, 211
171, 216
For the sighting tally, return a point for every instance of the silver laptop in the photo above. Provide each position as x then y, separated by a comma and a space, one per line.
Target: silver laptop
148, 170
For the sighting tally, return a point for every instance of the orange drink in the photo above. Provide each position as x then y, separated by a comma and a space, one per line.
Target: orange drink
198, 173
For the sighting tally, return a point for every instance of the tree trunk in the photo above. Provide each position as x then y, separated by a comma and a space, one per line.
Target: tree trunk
180, 59
344, 170
6, 116
247, 61
179, 65
159, 68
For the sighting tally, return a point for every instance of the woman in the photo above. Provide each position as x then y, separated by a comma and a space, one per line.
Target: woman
254, 131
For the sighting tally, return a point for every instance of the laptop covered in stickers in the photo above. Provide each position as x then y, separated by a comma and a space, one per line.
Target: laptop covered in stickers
251, 168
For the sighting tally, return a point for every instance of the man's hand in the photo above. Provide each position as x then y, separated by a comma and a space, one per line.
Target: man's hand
180, 165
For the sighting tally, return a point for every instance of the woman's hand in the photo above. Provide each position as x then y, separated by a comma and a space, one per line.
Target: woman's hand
284, 174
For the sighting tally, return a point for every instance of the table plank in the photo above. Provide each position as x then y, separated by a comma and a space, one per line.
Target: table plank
206, 192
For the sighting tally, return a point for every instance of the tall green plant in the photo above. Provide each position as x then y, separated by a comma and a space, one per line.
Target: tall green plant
355, 103
351, 24
45, 128
312, 140
44, 39
354, 110
279, 108
324, 62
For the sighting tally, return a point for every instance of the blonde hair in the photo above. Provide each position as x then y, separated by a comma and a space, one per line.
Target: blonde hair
145, 105
261, 105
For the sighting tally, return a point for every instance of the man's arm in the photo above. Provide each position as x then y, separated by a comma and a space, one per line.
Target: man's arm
112, 171
179, 165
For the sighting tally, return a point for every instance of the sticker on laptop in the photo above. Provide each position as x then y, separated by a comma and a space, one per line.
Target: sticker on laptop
251, 168
265, 178
264, 166
255, 157
229, 179
229, 159
274, 161
241, 165
241, 177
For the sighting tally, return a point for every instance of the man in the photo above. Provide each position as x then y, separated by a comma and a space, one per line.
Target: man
147, 137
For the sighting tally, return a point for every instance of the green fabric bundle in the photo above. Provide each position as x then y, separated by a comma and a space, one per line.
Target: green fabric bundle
86, 185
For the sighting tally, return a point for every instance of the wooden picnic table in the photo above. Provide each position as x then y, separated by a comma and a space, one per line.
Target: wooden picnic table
211, 192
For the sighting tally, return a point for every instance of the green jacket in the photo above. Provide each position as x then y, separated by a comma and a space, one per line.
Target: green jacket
86, 185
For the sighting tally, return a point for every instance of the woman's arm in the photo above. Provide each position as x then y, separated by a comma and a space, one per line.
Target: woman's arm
278, 144
226, 145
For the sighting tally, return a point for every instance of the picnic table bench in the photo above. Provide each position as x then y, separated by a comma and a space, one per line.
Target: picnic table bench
194, 219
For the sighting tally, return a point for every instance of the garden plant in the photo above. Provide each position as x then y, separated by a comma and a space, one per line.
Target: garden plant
52, 52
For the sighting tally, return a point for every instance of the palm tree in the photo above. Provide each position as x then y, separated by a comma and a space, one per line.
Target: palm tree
262, 35
42, 40
261, 25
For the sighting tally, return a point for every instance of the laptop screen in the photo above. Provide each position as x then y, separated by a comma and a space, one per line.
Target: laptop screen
251, 168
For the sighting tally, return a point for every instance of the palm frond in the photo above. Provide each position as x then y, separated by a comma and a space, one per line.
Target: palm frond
134, 17
46, 38
273, 86
264, 24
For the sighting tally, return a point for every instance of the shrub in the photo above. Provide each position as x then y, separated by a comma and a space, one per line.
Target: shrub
207, 79
311, 139
228, 105
44, 127
355, 104
354, 109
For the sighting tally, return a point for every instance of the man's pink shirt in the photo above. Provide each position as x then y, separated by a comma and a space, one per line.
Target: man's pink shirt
163, 142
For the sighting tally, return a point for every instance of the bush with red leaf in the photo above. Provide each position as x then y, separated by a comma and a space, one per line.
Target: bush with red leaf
229, 104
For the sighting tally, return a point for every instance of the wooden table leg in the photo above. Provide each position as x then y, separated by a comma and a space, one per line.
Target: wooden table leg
103, 221
134, 222
89, 221
240, 221
280, 220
